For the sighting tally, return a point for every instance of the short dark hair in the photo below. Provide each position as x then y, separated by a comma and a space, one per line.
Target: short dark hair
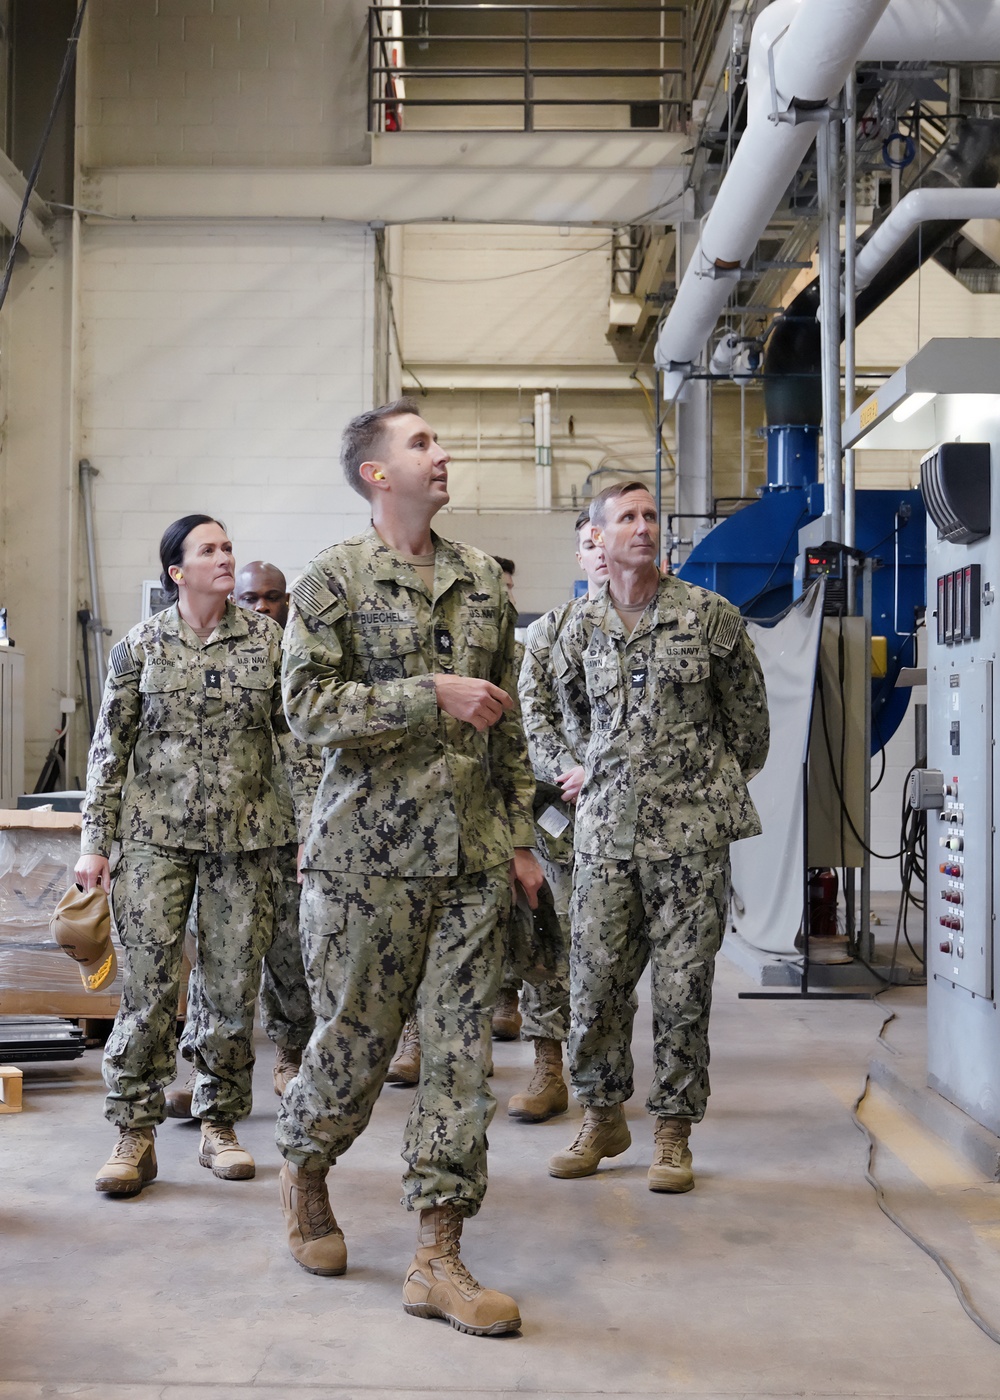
598, 506
363, 437
172, 548
582, 519
506, 565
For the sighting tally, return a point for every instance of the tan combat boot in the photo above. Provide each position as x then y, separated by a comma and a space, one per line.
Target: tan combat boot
179, 1097
405, 1065
546, 1094
314, 1237
671, 1169
506, 1017
439, 1285
287, 1064
603, 1133
132, 1164
221, 1151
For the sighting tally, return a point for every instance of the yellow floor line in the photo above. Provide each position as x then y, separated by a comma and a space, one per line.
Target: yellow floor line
932, 1161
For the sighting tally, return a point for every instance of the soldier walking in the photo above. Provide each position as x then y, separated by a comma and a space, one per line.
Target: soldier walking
676, 714
399, 659
286, 1015
193, 702
545, 1005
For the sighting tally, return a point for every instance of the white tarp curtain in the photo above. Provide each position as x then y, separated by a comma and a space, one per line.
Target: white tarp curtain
768, 869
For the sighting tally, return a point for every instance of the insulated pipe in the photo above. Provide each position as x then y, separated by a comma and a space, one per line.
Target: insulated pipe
828, 177
809, 42
850, 318
87, 473
953, 31
808, 48
919, 207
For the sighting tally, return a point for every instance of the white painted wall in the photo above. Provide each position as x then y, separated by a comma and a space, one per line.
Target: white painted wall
218, 365
490, 435
930, 303
505, 295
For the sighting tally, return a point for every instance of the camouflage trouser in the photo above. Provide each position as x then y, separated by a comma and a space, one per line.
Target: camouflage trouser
151, 895
286, 1012
374, 949
545, 1008
625, 914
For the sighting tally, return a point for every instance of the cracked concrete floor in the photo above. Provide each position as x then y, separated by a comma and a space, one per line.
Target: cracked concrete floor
776, 1277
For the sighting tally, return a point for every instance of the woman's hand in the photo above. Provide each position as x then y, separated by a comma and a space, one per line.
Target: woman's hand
91, 871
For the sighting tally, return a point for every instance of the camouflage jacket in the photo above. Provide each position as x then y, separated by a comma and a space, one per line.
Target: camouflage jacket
556, 740
199, 722
407, 790
676, 722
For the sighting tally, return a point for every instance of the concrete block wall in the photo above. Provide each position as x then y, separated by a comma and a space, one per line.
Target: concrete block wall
217, 368
224, 82
505, 295
597, 435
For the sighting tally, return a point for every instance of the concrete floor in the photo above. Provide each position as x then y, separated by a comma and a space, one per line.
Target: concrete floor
776, 1277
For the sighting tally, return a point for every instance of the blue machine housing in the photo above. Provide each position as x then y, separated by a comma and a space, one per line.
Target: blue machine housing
750, 558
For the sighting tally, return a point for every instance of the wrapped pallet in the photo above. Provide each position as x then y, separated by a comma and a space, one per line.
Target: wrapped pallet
38, 851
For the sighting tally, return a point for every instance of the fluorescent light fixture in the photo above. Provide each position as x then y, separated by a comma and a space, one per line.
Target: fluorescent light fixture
912, 404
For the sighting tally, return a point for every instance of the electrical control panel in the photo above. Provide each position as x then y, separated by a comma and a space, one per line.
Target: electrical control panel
960, 837
960, 789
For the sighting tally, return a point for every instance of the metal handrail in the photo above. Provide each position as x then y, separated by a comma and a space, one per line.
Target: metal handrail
672, 101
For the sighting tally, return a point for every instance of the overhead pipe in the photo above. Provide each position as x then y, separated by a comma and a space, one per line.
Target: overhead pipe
87, 474
916, 208
801, 52
922, 31
970, 162
800, 55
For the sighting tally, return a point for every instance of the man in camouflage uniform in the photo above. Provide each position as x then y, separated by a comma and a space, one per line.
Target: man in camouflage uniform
545, 1005
286, 1015
198, 720
677, 718
399, 659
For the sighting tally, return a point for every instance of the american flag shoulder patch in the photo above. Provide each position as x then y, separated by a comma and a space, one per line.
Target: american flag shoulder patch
726, 632
122, 660
313, 599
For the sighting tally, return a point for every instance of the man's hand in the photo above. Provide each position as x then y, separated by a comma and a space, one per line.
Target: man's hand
571, 782
479, 703
91, 871
298, 861
526, 872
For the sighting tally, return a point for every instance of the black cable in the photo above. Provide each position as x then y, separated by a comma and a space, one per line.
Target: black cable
833, 773
69, 59
961, 1292
764, 587
881, 750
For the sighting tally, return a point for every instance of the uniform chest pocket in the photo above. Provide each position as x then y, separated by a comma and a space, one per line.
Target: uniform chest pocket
481, 640
603, 689
387, 654
602, 674
246, 695
684, 664
165, 702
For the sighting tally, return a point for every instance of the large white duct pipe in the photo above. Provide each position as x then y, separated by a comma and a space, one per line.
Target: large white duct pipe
813, 45
917, 31
918, 207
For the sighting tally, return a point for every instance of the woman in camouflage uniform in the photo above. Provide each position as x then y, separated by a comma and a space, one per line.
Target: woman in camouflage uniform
192, 701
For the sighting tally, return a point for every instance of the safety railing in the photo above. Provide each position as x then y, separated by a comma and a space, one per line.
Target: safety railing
528, 67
